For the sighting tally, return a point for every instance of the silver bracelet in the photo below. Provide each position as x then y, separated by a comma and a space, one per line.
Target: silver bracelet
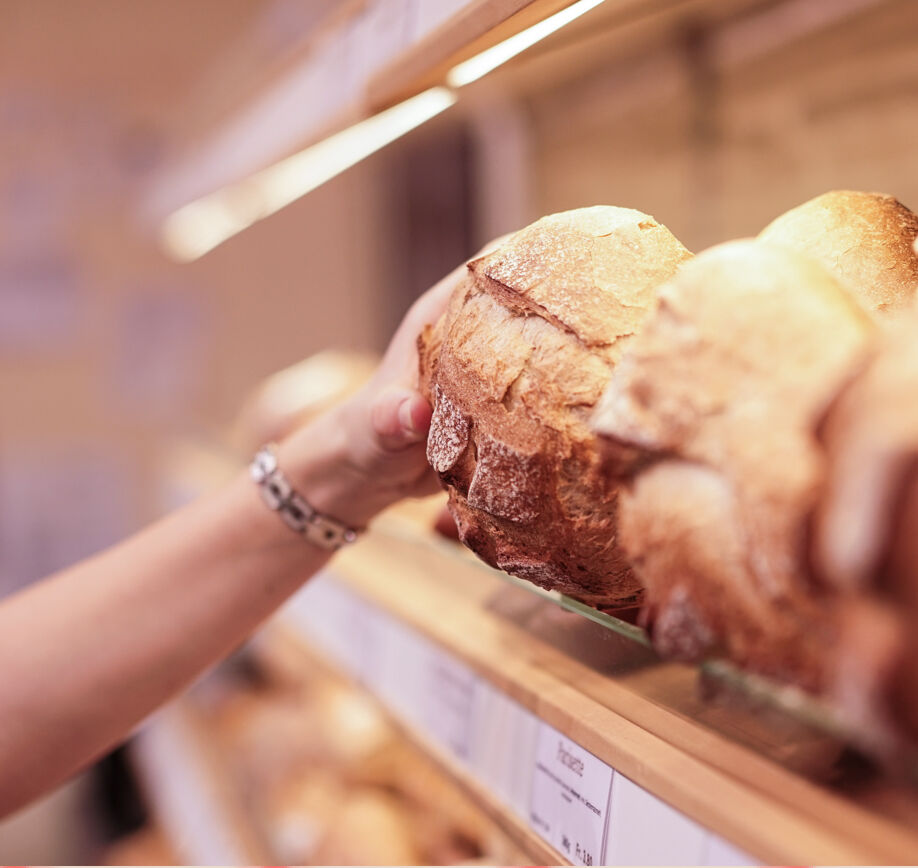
294, 510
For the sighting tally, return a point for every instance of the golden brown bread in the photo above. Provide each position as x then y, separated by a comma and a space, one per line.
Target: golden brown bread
513, 370
865, 241
719, 394
369, 827
865, 531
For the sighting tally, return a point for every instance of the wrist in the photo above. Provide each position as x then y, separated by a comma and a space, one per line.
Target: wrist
323, 465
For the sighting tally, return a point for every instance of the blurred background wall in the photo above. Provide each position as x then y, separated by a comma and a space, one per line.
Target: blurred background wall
714, 120
107, 348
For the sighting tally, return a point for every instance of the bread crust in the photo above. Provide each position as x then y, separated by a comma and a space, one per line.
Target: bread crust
864, 239
749, 344
513, 370
865, 529
863, 534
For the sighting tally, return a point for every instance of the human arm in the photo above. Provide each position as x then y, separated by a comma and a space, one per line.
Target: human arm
88, 653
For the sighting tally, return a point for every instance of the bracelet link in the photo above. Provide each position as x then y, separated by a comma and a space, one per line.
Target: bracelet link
276, 491
294, 510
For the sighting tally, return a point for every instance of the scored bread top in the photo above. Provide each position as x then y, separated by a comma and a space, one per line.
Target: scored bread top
592, 271
865, 240
513, 370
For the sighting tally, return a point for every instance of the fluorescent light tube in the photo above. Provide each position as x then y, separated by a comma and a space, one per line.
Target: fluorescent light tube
475, 67
201, 225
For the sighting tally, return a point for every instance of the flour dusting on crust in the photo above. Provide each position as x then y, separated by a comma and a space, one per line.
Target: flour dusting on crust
539, 572
449, 434
506, 483
680, 631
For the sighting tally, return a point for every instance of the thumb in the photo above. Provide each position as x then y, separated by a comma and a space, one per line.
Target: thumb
400, 418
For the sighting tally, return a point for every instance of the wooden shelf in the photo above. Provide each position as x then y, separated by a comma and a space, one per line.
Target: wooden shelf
356, 59
283, 646
747, 774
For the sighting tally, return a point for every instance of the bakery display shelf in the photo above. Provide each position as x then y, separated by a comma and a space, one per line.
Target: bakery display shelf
190, 794
714, 674
763, 780
284, 648
396, 49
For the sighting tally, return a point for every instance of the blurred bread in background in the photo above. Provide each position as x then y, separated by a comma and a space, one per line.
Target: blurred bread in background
865, 529
718, 397
293, 396
865, 241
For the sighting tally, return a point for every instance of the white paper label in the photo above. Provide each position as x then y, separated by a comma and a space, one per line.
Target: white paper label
643, 830
570, 797
324, 611
504, 737
451, 688
721, 852
400, 685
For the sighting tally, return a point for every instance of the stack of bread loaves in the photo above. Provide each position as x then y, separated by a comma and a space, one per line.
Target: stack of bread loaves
737, 424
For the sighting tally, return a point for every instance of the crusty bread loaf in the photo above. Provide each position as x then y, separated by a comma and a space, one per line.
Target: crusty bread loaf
719, 394
513, 370
370, 827
865, 241
871, 436
865, 531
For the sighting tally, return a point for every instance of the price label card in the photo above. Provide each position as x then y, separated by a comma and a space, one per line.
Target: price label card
184, 792
504, 736
643, 830
721, 852
571, 790
402, 685
451, 689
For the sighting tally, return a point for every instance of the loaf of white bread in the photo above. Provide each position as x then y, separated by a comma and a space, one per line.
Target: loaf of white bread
297, 395
513, 371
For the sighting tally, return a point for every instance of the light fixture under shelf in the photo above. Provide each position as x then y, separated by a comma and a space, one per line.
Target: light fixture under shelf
481, 64
203, 224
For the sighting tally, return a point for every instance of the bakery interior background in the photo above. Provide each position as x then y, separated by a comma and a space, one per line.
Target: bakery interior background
714, 118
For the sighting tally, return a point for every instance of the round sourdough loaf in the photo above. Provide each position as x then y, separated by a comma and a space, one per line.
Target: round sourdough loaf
865, 241
513, 370
710, 415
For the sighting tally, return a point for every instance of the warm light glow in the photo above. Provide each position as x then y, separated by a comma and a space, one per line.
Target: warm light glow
203, 224
481, 64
